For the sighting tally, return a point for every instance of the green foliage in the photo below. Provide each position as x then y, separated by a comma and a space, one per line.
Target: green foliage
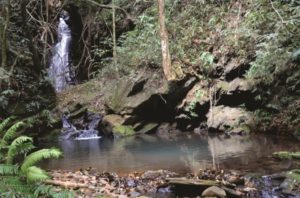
277, 41
24, 181
5, 123
12, 131
123, 130
190, 108
142, 45
20, 145
39, 155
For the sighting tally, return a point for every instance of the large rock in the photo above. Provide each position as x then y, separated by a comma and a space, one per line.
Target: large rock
230, 120
194, 106
214, 191
147, 97
109, 122
234, 93
235, 67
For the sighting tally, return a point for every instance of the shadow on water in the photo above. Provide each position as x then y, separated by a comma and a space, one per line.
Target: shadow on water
187, 153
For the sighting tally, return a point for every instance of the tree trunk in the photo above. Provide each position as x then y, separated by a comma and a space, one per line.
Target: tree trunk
166, 63
114, 32
6, 13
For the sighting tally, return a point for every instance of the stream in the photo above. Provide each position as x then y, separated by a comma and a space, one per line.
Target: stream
183, 153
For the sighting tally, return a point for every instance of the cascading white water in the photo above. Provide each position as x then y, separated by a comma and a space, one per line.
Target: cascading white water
60, 71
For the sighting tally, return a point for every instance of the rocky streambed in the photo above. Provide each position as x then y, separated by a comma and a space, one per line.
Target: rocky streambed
163, 183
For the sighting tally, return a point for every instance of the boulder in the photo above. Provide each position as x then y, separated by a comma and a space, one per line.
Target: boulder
123, 130
235, 67
109, 122
230, 120
214, 191
194, 106
234, 93
238, 85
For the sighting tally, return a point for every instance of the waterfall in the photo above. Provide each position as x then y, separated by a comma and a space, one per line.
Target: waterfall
69, 131
60, 71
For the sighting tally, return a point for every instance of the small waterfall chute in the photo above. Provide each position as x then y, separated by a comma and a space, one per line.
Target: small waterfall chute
69, 131
60, 71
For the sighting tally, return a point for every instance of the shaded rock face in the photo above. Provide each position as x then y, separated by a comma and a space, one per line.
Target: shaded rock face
230, 120
236, 92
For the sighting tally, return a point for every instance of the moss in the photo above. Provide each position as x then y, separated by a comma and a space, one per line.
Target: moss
286, 155
296, 155
282, 155
294, 174
123, 130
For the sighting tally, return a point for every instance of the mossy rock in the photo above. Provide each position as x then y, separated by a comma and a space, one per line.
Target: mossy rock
294, 174
282, 155
123, 130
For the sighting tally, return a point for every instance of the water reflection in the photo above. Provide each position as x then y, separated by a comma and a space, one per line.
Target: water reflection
178, 154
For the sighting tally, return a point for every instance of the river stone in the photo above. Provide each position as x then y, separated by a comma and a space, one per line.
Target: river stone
229, 119
214, 191
109, 122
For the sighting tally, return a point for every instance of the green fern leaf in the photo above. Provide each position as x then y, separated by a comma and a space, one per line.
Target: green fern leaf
11, 132
20, 145
5, 123
39, 155
7, 169
36, 174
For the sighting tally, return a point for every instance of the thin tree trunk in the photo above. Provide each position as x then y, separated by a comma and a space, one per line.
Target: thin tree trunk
166, 63
6, 12
114, 32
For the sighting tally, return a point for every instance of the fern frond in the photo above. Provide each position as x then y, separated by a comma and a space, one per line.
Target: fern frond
20, 145
16, 187
39, 155
36, 174
11, 132
7, 169
49, 191
63, 194
5, 123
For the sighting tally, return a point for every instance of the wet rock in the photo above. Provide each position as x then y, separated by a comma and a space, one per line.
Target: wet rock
109, 122
233, 193
287, 185
192, 182
156, 174
214, 191
230, 120
123, 130
283, 155
235, 179
147, 128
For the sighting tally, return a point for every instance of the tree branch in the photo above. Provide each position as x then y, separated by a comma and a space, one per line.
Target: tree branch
108, 7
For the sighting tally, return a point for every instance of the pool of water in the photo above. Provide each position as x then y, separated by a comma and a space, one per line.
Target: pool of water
181, 154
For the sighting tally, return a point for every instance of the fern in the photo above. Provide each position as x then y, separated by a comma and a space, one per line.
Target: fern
7, 169
36, 174
39, 155
48, 190
24, 182
20, 145
12, 131
5, 123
